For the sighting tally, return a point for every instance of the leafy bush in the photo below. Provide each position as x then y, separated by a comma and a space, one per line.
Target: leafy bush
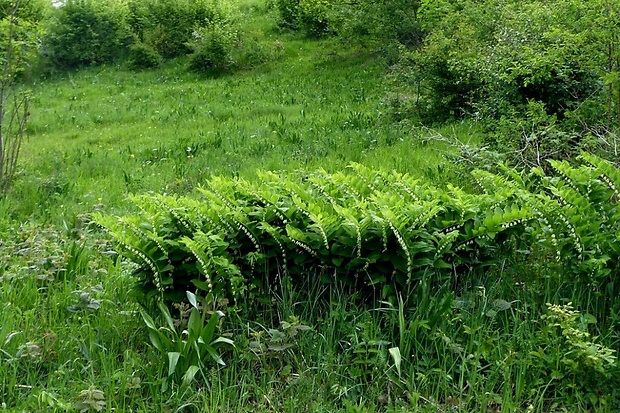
532, 137
213, 48
20, 34
168, 26
580, 368
27, 10
541, 81
371, 229
442, 88
21, 29
251, 51
310, 16
484, 58
288, 13
87, 32
383, 22
143, 56
313, 17
220, 48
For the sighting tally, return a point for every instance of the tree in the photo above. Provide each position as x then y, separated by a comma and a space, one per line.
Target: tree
19, 38
87, 32
491, 57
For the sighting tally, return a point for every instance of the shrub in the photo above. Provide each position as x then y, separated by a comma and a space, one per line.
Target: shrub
19, 40
373, 230
168, 25
379, 21
391, 21
143, 56
213, 48
485, 58
313, 17
532, 137
251, 51
87, 32
20, 31
219, 47
310, 16
27, 10
288, 13
443, 89
582, 369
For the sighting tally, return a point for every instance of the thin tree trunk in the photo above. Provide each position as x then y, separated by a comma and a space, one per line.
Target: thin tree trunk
13, 109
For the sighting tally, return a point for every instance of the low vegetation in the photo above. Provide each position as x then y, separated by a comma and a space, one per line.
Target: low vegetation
309, 205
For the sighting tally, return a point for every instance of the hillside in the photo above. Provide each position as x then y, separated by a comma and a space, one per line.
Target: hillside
358, 207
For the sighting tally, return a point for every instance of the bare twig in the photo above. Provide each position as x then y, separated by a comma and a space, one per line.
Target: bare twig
13, 107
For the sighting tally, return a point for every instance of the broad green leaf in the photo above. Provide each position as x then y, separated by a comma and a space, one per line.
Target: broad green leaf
442, 264
198, 347
166, 313
173, 360
223, 340
588, 318
202, 285
189, 375
154, 336
194, 325
192, 299
209, 330
147, 319
395, 353
337, 261
215, 356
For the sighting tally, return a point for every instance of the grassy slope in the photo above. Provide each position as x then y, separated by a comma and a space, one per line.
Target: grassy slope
102, 133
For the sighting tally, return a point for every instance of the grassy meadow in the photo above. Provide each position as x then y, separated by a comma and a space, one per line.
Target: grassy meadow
72, 337
105, 132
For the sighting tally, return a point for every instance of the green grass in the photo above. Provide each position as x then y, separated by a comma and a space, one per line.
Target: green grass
70, 325
97, 134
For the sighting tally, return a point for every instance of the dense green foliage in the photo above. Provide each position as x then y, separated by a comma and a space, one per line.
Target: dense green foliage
392, 234
87, 32
168, 26
383, 23
144, 32
545, 83
143, 56
283, 234
380, 21
501, 59
372, 229
492, 60
213, 48
20, 34
310, 16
